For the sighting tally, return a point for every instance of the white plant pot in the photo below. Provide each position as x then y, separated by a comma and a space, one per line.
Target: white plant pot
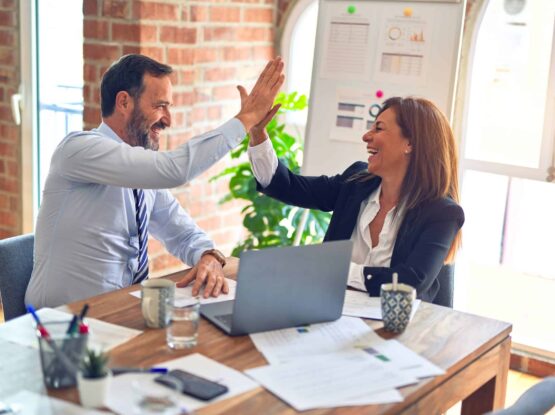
93, 392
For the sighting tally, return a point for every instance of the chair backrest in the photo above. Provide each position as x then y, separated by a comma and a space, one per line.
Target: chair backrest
16, 266
446, 279
537, 400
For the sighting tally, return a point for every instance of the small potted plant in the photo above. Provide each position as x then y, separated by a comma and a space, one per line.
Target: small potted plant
94, 378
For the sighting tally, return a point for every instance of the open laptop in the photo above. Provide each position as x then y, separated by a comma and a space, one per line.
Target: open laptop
285, 287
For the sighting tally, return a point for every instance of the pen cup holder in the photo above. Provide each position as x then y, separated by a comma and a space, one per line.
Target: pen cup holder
61, 355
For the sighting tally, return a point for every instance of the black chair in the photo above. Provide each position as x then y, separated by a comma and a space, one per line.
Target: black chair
16, 266
446, 279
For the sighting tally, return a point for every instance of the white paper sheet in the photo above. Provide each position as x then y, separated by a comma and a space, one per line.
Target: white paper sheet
104, 336
30, 403
279, 346
341, 379
123, 397
184, 296
346, 51
399, 357
359, 304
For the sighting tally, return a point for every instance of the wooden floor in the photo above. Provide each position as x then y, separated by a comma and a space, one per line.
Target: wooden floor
517, 383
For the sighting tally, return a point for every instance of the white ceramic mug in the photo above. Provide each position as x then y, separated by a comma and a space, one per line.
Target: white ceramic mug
156, 296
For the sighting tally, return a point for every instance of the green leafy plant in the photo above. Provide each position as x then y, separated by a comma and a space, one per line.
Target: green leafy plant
94, 364
269, 222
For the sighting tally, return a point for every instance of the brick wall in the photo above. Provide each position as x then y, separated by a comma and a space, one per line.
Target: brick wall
10, 149
212, 47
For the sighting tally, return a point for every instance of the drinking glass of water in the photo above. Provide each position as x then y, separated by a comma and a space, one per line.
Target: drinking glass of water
182, 331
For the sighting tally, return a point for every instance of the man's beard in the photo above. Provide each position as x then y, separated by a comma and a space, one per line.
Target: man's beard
139, 130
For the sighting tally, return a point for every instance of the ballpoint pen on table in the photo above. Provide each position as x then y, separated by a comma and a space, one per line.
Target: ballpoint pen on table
121, 370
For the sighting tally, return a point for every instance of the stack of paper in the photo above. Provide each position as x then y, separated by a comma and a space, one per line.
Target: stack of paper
104, 336
340, 363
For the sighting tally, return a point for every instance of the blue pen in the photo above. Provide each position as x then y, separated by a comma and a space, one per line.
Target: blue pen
42, 330
121, 370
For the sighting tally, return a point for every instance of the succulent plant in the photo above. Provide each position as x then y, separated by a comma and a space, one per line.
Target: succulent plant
94, 364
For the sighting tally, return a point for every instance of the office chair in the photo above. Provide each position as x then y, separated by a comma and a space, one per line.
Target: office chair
446, 279
16, 265
537, 400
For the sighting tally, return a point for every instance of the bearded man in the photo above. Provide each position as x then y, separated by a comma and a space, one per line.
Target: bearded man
106, 190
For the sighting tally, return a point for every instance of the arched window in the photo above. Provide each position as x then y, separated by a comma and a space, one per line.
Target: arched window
297, 48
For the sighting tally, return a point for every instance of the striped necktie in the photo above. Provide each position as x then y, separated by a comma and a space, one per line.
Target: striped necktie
140, 209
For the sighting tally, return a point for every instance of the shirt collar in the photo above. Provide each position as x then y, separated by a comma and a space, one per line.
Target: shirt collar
107, 131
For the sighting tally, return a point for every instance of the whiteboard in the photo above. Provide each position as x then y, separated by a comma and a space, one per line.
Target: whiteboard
368, 51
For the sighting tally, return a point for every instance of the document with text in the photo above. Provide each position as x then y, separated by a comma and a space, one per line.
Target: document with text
359, 304
342, 379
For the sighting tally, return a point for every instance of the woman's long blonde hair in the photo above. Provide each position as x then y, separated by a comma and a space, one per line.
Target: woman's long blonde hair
433, 167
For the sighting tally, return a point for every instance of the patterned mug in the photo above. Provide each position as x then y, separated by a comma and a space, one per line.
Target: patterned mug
396, 306
156, 297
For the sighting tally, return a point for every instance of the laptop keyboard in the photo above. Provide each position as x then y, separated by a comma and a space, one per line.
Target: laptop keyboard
225, 319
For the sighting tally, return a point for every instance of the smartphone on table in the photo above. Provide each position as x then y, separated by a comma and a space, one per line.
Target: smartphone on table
192, 385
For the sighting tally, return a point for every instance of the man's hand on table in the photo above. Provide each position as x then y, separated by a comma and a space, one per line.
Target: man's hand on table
208, 271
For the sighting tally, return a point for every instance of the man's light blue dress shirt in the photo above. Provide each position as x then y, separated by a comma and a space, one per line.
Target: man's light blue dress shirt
86, 239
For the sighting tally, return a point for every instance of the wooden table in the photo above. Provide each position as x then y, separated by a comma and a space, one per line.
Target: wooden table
473, 350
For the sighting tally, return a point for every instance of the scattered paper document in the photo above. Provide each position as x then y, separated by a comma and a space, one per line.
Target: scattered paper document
279, 346
104, 336
341, 379
29, 403
359, 304
396, 355
184, 296
123, 396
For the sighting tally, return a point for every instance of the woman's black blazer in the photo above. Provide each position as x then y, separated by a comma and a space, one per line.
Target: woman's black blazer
425, 234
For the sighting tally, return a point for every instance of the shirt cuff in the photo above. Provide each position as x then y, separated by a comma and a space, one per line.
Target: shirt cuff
234, 132
264, 161
356, 277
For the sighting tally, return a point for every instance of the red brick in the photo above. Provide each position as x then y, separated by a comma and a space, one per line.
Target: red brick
212, 34
10, 76
258, 15
95, 29
263, 52
7, 56
156, 53
2, 170
203, 94
180, 56
6, 113
90, 73
155, 11
90, 8
210, 223
7, 37
198, 114
182, 35
9, 132
101, 52
91, 115
225, 14
8, 4
219, 74
7, 233
237, 53
9, 185
116, 8
7, 18
256, 34
225, 92
134, 32
14, 203
9, 219
13, 169
186, 77
206, 55
183, 98
199, 14
248, 1
214, 113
